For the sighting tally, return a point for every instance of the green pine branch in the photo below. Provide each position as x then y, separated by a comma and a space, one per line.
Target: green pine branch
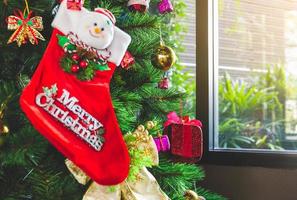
176, 178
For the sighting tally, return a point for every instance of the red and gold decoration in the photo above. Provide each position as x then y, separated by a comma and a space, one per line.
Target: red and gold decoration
128, 61
25, 27
143, 186
139, 5
185, 136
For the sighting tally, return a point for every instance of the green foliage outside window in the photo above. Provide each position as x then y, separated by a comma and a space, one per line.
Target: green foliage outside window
252, 114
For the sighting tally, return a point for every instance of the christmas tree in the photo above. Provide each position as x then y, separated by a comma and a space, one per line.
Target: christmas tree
31, 168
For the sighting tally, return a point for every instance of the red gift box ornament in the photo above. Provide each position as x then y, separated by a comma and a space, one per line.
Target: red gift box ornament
164, 83
75, 4
185, 135
127, 61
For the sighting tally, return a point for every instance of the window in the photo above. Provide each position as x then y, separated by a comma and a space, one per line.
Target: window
247, 60
188, 56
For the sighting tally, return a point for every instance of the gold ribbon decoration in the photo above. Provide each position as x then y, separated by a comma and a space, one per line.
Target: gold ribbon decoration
144, 187
78, 174
145, 142
100, 192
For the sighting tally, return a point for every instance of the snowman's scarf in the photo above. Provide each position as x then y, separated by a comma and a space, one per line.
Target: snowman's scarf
102, 54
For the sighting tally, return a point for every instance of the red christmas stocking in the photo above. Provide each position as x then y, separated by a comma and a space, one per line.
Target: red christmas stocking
75, 115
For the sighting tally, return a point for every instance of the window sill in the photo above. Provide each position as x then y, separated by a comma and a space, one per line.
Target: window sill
259, 158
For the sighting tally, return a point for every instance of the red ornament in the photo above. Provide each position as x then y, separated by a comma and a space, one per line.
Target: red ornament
74, 4
74, 68
83, 64
164, 84
127, 61
185, 136
75, 57
138, 5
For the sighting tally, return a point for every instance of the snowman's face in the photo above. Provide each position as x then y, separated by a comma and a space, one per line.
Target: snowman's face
96, 30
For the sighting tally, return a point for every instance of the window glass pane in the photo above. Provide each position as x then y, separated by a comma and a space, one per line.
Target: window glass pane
256, 79
186, 26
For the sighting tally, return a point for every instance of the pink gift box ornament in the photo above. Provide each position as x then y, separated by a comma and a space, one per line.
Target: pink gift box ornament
162, 143
165, 6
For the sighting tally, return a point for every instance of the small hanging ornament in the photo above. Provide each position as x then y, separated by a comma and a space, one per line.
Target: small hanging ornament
74, 4
128, 61
162, 142
165, 6
164, 57
164, 83
4, 131
26, 27
138, 5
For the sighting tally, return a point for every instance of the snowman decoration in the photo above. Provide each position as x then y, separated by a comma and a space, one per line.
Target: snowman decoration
94, 31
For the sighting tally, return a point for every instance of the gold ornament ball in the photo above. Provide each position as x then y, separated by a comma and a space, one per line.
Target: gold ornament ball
164, 57
150, 125
4, 130
191, 195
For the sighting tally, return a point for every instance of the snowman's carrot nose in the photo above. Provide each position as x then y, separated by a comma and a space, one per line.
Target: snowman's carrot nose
97, 30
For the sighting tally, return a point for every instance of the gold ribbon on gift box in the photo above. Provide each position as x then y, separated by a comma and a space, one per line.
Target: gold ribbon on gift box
144, 187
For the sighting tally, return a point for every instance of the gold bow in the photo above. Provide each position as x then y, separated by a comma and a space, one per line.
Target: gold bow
25, 26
